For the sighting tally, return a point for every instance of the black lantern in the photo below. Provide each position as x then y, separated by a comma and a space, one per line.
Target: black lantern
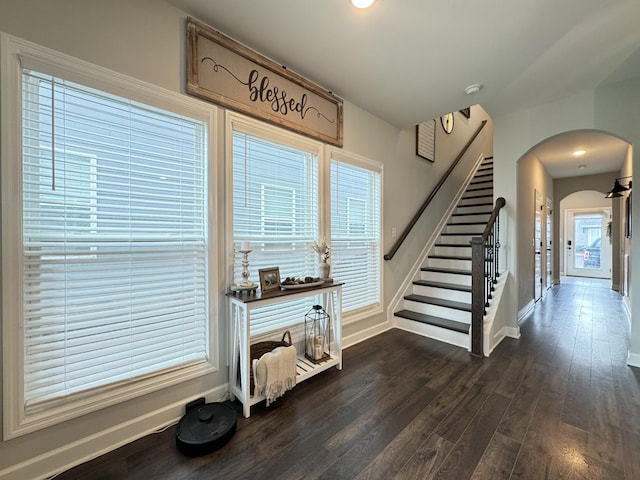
317, 335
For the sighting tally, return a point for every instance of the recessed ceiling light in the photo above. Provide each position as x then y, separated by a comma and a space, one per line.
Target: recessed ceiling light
362, 3
582, 167
579, 153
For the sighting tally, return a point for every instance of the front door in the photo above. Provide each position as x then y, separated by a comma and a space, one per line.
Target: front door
588, 251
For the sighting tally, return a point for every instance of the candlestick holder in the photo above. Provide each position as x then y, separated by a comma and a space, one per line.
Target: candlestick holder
245, 285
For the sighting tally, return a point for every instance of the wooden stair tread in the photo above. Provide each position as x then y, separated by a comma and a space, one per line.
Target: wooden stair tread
478, 189
433, 320
466, 223
470, 197
485, 204
445, 286
453, 271
441, 302
469, 214
480, 179
454, 245
450, 257
462, 234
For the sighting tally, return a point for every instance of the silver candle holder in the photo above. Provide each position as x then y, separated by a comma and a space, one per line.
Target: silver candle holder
245, 285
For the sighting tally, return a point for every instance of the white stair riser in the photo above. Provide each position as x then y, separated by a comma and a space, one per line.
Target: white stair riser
483, 174
472, 192
450, 263
446, 278
470, 229
438, 311
444, 293
452, 251
476, 209
472, 217
461, 239
432, 331
473, 200
480, 184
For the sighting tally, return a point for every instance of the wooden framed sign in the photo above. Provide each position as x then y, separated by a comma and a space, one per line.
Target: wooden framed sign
226, 72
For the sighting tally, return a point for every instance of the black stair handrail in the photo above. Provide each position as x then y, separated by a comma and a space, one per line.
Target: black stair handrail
416, 217
484, 274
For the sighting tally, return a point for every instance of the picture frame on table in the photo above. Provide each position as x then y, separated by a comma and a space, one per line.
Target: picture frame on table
269, 278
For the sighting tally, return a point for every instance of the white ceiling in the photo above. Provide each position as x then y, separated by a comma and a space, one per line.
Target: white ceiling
407, 61
604, 153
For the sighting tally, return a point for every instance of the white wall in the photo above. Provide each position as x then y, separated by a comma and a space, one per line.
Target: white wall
145, 39
532, 176
614, 109
618, 109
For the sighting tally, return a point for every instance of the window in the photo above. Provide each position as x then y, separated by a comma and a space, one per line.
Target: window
112, 211
278, 210
275, 207
355, 231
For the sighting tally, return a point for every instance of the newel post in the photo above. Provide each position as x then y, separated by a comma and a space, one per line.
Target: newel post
477, 294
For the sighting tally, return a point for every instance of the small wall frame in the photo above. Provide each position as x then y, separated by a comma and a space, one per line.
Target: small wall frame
426, 140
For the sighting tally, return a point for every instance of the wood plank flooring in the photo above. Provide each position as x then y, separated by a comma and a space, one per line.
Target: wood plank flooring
558, 403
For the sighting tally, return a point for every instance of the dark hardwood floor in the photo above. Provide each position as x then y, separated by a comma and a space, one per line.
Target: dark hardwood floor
558, 403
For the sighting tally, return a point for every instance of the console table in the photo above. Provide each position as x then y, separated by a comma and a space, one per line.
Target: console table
240, 307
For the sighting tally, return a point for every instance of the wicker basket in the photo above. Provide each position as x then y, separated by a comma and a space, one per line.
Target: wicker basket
260, 348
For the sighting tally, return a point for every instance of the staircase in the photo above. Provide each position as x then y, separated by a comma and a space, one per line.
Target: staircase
439, 305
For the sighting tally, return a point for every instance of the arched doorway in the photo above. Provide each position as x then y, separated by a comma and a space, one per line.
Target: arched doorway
555, 168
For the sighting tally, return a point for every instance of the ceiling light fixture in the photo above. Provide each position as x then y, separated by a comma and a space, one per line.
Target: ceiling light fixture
618, 188
582, 166
362, 3
472, 89
579, 153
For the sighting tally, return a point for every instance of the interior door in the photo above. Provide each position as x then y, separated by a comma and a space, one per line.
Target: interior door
548, 253
588, 251
537, 247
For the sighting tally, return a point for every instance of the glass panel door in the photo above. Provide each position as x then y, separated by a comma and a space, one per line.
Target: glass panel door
591, 255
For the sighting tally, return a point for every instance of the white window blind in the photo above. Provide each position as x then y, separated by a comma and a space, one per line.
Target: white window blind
355, 233
275, 207
115, 239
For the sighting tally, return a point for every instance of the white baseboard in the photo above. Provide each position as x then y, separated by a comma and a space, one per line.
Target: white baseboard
524, 311
626, 304
365, 334
512, 332
73, 454
633, 359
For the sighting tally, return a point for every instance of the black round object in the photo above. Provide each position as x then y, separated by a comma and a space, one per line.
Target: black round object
206, 428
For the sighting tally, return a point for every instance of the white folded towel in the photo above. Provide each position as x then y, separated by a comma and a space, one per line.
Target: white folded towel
275, 372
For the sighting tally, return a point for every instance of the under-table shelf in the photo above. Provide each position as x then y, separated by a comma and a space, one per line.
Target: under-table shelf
240, 307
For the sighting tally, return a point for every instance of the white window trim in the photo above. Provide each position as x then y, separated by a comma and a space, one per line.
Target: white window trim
14, 55
333, 153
